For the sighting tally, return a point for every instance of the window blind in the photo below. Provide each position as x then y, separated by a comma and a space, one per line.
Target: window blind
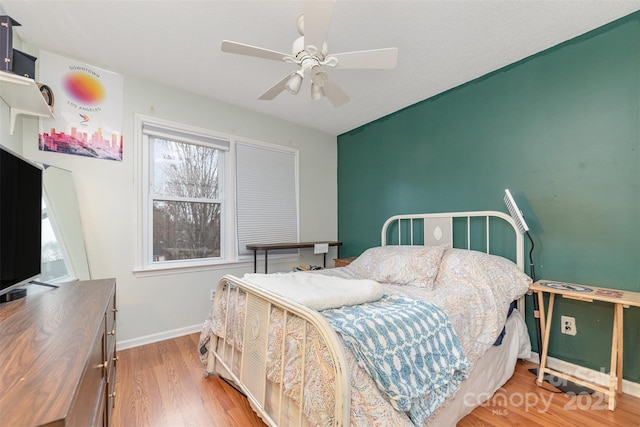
266, 196
170, 134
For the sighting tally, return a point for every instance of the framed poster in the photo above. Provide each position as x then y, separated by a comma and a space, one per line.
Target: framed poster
87, 111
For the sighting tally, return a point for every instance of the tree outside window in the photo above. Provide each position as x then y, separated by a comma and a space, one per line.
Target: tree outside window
186, 201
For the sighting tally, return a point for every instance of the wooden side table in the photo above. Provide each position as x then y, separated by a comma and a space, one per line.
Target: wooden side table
620, 299
343, 262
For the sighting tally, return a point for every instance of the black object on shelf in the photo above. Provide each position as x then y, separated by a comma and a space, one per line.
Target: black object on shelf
14, 60
24, 64
6, 41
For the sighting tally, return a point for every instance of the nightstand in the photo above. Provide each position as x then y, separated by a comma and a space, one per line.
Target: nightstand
343, 262
620, 299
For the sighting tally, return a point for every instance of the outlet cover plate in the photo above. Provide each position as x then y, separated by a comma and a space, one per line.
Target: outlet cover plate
568, 325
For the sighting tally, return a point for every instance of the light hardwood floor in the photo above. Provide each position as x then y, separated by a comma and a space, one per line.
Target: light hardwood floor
162, 385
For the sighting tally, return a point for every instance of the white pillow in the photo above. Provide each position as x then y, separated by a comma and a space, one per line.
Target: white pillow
462, 266
404, 265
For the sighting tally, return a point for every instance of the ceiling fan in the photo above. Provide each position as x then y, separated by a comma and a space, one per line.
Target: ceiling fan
311, 55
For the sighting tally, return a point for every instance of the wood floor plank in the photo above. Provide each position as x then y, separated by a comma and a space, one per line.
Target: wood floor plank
163, 385
521, 402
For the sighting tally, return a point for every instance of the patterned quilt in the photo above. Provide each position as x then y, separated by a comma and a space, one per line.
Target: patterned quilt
473, 289
408, 347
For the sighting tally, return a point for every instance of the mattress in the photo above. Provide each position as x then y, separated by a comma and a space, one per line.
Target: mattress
489, 373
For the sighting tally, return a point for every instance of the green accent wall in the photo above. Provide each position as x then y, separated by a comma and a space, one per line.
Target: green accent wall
561, 130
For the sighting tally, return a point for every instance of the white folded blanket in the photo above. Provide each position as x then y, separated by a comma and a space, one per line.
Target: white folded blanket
318, 291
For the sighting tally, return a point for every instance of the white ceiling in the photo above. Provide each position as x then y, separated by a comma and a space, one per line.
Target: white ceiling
442, 44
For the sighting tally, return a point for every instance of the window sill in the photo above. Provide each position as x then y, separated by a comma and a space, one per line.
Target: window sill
162, 270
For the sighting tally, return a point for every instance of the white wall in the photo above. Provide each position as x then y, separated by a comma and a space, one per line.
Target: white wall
161, 306
12, 142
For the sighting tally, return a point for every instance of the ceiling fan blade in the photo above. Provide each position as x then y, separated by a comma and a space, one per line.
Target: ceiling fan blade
334, 93
376, 59
276, 89
317, 17
248, 50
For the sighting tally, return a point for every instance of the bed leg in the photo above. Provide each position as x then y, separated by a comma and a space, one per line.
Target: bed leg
211, 358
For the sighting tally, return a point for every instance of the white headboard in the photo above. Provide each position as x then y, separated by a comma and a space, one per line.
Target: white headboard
438, 229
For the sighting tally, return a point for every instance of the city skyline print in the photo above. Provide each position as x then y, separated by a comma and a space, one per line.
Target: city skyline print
87, 111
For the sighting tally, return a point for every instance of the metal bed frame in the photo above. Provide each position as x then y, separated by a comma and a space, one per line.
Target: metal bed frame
246, 367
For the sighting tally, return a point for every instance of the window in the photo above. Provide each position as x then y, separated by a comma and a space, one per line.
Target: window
54, 266
185, 195
186, 200
204, 196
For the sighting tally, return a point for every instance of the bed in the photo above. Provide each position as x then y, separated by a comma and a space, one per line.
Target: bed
439, 295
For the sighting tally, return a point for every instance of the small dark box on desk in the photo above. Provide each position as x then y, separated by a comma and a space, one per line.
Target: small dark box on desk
6, 41
24, 64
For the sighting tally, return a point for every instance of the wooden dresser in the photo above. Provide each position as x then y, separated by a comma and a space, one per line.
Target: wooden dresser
58, 356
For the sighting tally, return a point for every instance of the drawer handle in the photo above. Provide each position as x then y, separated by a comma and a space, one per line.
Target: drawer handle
104, 365
115, 359
113, 394
115, 310
113, 332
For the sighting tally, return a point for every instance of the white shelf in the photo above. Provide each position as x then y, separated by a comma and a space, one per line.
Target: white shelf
23, 97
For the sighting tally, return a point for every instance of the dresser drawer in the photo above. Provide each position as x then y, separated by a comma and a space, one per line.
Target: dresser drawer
111, 390
110, 355
86, 408
110, 324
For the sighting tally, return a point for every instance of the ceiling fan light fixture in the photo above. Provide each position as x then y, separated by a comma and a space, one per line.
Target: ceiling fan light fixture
317, 92
295, 82
318, 76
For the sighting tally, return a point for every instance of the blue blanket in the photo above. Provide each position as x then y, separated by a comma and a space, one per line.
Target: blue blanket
408, 347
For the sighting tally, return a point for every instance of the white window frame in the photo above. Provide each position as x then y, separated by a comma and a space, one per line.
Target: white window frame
143, 265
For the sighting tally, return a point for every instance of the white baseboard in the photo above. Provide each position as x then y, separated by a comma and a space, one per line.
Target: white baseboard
149, 339
586, 374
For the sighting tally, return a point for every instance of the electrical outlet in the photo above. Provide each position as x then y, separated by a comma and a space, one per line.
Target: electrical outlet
568, 325
212, 294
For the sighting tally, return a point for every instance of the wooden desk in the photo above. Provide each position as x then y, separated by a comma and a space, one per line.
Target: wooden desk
266, 247
620, 299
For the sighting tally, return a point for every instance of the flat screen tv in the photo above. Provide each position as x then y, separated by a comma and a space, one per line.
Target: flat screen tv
20, 220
